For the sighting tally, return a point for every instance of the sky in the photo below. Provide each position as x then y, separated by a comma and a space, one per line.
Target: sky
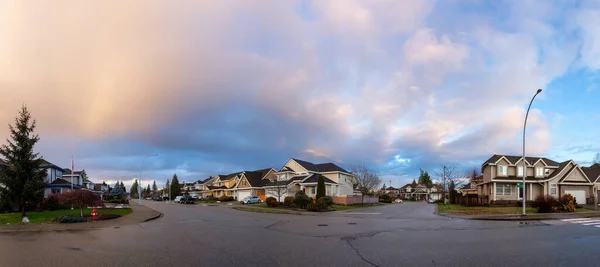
215, 87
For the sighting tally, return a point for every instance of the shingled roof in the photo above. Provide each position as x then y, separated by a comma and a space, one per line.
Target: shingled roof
315, 178
592, 172
515, 159
321, 167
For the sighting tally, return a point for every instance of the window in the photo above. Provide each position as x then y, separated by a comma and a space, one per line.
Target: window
312, 190
56, 190
553, 189
503, 189
520, 171
501, 170
539, 172
244, 183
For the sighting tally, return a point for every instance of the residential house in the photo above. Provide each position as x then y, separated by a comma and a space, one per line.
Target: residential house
419, 191
502, 174
392, 191
593, 173
223, 185
55, 183
470, 189
302, 175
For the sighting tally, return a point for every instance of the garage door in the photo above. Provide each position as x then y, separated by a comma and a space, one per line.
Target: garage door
243, 193
579, 195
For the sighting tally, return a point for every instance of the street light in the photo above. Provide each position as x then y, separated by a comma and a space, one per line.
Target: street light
524, 165
140, 183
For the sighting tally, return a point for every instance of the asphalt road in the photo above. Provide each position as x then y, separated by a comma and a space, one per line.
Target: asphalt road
406, 234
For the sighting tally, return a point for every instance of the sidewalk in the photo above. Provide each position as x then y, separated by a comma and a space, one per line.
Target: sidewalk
139, 214
519, 217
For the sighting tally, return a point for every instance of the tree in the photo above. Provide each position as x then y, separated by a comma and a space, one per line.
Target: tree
452, 191
320, 187
82, 198
472, 173
597, 158
277, 188
23, 180
168, 187
368, 180
133, 192
383, 187
117, 191
123, 187
147, 191
175, 189
447, 174
424, 178
154, 187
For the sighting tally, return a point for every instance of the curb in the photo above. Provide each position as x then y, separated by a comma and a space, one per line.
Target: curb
519, 218
160, 214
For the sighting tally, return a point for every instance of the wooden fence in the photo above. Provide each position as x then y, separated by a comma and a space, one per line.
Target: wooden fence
355, 200
471, 200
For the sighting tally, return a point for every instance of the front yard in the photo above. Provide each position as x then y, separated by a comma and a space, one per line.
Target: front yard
477, 210
46, 216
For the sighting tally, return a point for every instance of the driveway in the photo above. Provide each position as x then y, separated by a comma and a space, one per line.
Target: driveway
392, 235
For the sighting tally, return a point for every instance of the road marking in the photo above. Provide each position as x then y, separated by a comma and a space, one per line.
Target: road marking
596, 225
570, 220
363, 213
591, 223
588, 221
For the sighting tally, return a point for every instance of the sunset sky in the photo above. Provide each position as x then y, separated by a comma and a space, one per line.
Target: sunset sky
215, 87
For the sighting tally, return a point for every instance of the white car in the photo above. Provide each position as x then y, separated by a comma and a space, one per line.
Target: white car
398, 200
251, 200
177, 199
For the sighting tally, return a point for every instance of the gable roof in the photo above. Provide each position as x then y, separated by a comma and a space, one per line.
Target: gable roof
286, 169
48, 164
315, 178
254, 178
60, 181
307, 165
514, 159
264, 172
321, 167
593, 172
390, 188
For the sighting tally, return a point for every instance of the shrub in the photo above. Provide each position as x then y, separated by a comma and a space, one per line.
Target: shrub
288, 201
329, 200
272, 202
312, 207
53, 203
225, 198
545, 204
301, 200
322, 204
567, 203
70, 219
385, 199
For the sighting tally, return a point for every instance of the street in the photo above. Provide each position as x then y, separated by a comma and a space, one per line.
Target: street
407, 234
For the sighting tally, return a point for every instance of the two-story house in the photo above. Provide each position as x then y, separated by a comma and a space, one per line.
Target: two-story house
502, 174
419, 191
251, 183
303, 175
55, 182
593, 173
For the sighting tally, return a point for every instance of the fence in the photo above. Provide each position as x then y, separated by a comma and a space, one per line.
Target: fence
354, 200
471, 200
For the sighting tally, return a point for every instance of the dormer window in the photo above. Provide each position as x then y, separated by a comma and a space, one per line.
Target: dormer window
539, 172
520, 171
502, 170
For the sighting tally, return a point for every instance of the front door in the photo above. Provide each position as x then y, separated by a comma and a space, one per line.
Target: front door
520, 193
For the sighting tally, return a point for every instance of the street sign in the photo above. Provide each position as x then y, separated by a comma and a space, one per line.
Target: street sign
519, 185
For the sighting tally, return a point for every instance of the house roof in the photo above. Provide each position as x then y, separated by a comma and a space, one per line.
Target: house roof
97, 187
208, 180
593, 172
515, 159
216, 187
48, 164
263, 172
254, 178
315, 178
321, 167
390, 188
60, 181
286, 169
307, 165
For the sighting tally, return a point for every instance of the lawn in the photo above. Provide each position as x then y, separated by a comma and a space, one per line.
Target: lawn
46, 216
265, 209
342, 207
462, 210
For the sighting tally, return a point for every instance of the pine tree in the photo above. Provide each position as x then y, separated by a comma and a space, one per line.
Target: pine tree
147, 194
424, 178
154, 187
320, 187
117, 191
168, 187
22, 180
123, 187
134, 189
175, 189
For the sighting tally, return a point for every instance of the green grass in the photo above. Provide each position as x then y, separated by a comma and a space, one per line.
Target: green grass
351, 207
205, 201
46, 216
264, 209
462, 210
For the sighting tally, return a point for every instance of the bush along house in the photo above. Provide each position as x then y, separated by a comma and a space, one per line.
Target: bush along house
503, 178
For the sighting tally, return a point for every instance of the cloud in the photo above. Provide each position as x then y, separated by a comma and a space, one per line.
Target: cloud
218, 87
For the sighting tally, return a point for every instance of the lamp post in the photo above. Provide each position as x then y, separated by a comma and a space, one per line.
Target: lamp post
140, 183
524, 164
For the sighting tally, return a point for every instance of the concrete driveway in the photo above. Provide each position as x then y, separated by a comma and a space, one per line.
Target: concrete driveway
392, 235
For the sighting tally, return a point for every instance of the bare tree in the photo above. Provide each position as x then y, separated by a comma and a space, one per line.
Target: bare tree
367, 180
597, 158
448, 175
277, 188
472, 173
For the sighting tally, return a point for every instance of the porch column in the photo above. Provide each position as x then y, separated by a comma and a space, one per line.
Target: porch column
530, 191
494, 191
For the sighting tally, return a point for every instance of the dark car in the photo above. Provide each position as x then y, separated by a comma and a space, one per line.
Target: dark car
187, 200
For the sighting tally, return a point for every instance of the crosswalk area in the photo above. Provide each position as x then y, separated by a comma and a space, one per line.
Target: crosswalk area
584, 221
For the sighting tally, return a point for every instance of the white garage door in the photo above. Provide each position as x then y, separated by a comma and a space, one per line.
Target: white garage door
579, 195
243, 194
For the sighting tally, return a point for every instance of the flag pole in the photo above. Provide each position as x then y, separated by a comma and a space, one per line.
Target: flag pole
72, 170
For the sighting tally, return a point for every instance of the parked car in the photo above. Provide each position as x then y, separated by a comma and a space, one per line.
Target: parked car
251, 200
177, 199
398, 200
430, 201
187, 200
157, 198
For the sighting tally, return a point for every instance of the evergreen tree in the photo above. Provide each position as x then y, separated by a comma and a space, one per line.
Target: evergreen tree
117, 191
424, 178
147, 191
175, 189
168, 187
452, 191
123, 187
23, 180
154, 187
134, 189
320, 187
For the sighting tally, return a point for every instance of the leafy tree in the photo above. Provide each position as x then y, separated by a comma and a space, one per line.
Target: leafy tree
22, 179
175, 189
424, 178
320, 187
83, 198
117, 191
134, 189
368, 180
123, 187
154, 187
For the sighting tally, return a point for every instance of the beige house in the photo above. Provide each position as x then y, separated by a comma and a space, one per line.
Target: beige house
418, 191
502, 174
302, 175
593, 173
251, 183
